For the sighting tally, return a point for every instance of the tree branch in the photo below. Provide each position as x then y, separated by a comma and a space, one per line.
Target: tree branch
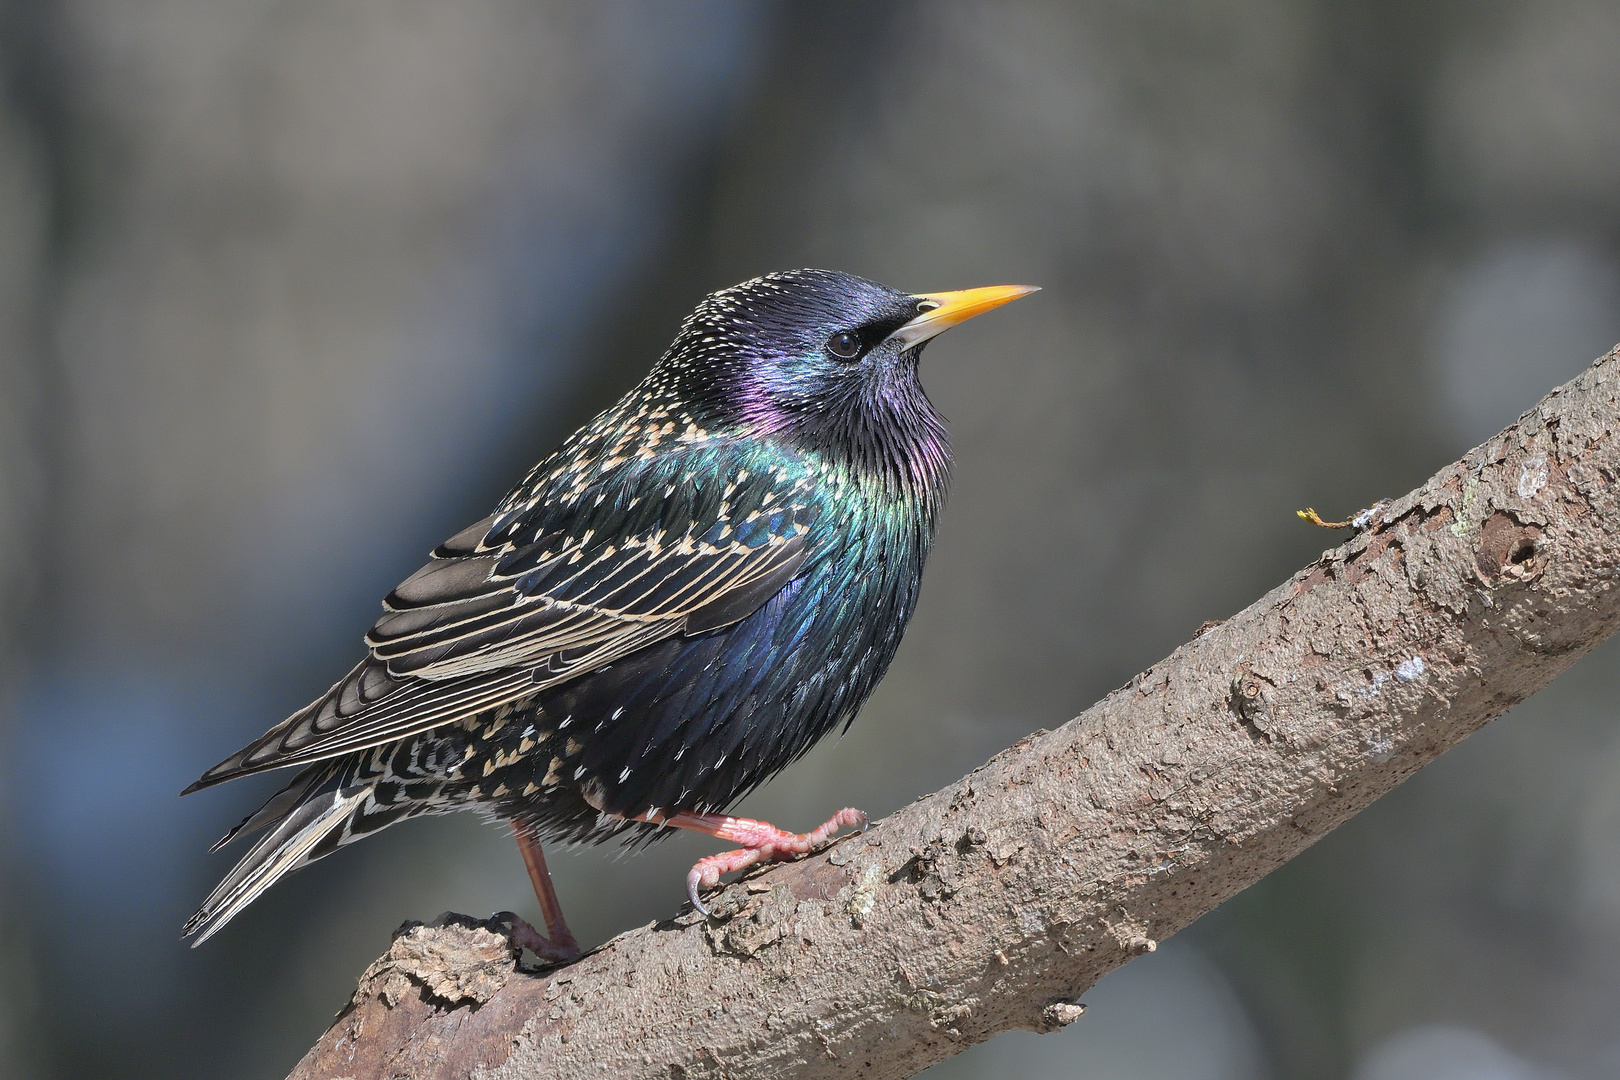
993, 903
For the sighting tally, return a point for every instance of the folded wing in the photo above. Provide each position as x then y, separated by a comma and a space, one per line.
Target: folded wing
551, 588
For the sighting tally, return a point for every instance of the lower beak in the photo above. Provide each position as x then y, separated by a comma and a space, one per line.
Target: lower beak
938, 312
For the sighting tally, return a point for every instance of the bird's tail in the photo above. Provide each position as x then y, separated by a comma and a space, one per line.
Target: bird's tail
320, 811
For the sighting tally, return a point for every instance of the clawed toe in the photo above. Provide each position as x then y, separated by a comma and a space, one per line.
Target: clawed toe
707, 872
761, 841
563, 950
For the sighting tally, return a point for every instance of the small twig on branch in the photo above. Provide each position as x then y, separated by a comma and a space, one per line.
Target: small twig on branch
994, 903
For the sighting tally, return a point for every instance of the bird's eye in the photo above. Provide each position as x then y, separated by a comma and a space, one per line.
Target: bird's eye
844, 345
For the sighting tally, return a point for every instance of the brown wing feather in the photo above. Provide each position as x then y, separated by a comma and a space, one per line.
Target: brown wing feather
482, 624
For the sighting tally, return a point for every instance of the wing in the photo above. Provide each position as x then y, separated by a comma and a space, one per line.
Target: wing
551, 588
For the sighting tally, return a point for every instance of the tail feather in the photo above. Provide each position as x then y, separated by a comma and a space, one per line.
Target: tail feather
281, 803
295, 841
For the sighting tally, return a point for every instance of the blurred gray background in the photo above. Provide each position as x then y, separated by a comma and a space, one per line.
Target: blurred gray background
292, 290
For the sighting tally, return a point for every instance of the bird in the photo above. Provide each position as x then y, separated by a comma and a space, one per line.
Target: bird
687, 595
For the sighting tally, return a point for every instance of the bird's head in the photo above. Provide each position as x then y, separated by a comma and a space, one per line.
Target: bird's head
823, 360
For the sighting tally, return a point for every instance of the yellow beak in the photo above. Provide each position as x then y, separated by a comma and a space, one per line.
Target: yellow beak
941, 311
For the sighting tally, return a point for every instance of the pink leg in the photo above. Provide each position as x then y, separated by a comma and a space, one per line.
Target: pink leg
760, 840
558, 942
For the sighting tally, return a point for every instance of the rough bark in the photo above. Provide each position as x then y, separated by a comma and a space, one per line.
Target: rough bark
993, 903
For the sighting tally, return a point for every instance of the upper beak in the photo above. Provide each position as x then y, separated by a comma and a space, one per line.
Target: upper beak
941, 311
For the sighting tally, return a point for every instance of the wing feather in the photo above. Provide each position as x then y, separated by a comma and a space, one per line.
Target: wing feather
529, 599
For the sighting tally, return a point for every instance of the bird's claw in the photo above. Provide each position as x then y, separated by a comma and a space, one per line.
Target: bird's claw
708, 871
692, 895
564, 950
764, 842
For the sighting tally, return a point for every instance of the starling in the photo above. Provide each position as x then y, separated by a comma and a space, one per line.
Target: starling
694, 589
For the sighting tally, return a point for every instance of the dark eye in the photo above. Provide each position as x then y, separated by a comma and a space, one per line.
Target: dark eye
844, 345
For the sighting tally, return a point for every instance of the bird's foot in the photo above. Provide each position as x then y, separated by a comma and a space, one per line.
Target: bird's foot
561, 948
761, 842
557, 943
